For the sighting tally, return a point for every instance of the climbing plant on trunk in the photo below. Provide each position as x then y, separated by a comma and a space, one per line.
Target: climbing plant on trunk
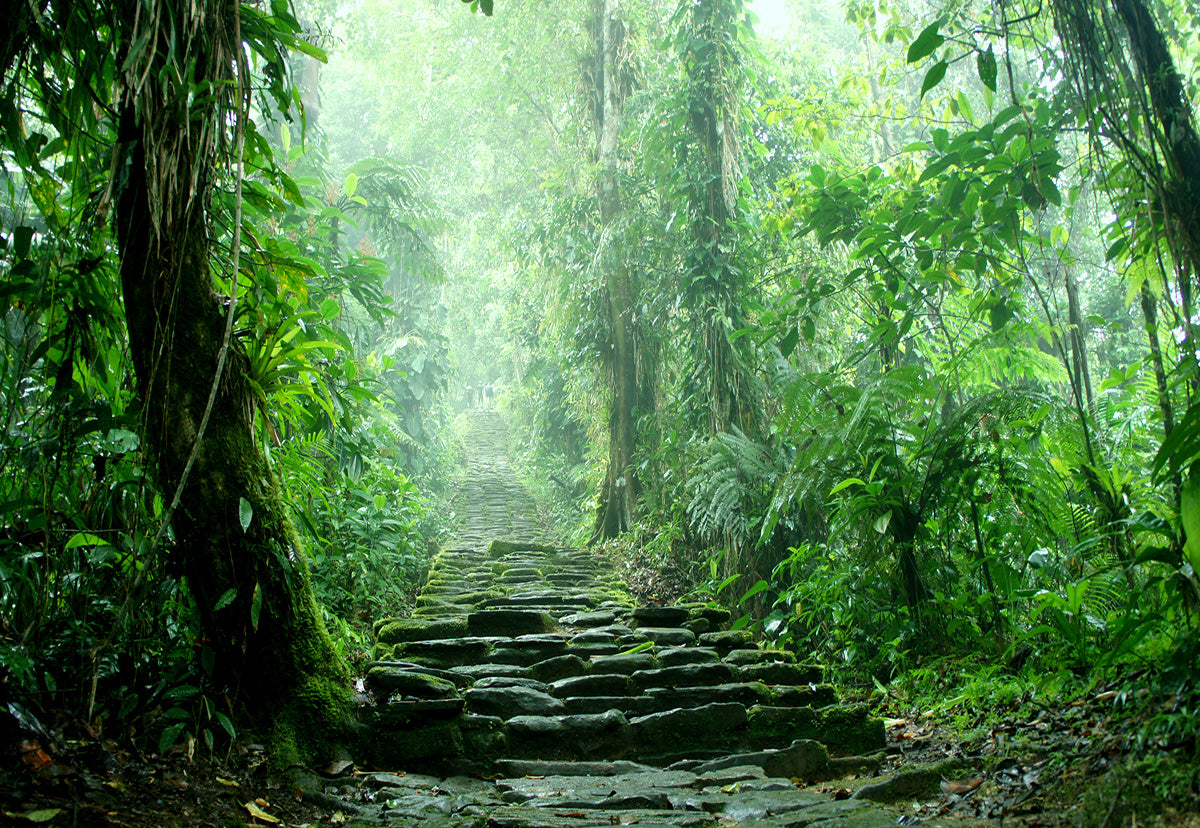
711, 55
185, 79
611, 78
162, 88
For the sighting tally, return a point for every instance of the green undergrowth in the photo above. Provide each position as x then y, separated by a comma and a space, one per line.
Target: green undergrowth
1119, 746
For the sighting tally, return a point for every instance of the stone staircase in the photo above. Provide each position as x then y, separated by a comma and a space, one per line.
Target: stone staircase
527, 689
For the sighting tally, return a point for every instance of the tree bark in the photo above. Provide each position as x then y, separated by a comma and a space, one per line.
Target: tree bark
617, 510
710, 58
249, 582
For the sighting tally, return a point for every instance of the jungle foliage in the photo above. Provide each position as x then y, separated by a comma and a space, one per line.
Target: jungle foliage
875, 322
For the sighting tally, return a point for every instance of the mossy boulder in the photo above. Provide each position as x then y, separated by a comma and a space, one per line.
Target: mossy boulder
920, 782
501, 547
403, 630
683, 730
387, 679
844, 729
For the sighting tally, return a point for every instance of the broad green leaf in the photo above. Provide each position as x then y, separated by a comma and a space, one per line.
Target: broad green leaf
847, 483
85, 539
933, 77
351, 184
256, 606
985, 63
928, 40
754, 590
226, 599
39, 816
789, 341
169, 735
22, 239
245, 513
881, 522
1189, 517
727, 582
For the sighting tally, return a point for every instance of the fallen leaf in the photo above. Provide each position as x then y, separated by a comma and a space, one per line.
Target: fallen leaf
33, 756
39, 816
259, 813
228, 783
337, 767
961, 787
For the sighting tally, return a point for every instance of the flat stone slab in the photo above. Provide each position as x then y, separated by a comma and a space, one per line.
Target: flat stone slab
511, 681
728, 640
661, 616
778, 673
456, 651
509, 622
627, 664
404, 713
577, 736
629, 705
675, 656
410, 629
598, 618
408, 682
507, 702
668, 636
728, 775
536, 768
551, 786
602, 684
803, 759
517, 816
744, 693
559, 667
477, 671
684, 675
681, 729
759, 804
813, 695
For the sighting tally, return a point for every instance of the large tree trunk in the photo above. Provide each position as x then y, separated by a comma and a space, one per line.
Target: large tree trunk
617, 511
250, 584
710, 58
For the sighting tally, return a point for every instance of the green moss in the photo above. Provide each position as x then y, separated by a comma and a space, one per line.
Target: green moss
851, 728
410, 629
499, 547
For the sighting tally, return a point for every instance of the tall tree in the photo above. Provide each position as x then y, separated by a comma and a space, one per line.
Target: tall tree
610, 77
713, 73
186, 78
176, 76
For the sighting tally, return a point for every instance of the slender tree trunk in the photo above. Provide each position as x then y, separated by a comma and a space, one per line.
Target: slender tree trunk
1082, 375
234, 542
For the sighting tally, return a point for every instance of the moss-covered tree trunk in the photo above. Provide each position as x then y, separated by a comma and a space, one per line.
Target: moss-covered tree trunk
617, 510
249, 582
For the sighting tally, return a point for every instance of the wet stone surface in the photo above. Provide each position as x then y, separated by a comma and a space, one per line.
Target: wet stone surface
529, 690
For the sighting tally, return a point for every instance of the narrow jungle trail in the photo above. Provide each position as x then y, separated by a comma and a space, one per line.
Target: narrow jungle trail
527, 690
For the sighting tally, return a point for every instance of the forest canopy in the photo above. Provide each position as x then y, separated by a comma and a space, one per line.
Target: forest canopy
872, 321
